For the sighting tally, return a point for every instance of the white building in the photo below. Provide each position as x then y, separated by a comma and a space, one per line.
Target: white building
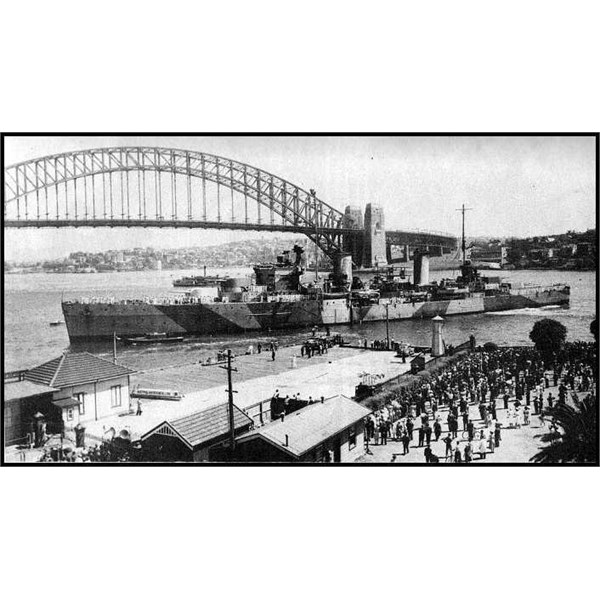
88, 388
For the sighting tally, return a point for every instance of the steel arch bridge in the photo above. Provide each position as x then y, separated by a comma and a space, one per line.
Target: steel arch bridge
140, 186
163, 187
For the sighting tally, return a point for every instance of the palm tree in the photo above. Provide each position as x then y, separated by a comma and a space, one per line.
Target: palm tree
576, 440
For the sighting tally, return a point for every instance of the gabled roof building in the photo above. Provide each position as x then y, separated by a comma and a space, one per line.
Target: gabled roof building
87, 387
328, 431
197, 437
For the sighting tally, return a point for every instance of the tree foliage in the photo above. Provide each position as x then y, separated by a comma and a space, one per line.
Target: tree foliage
548, 336
576, 440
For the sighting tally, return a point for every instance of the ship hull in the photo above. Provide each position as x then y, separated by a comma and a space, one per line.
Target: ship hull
102, 321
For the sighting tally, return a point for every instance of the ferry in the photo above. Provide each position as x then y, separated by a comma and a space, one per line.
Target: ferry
199, 281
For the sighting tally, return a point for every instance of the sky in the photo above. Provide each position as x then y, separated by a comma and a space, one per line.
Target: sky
515, 186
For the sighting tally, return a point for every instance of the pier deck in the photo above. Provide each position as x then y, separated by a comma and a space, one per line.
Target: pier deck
257, 377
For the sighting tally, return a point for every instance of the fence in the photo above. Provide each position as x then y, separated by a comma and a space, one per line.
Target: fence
412, 377
260, 412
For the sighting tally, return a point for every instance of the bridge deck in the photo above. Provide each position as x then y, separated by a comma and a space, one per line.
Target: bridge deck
394, 237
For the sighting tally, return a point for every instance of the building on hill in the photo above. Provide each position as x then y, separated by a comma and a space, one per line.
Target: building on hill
327, 431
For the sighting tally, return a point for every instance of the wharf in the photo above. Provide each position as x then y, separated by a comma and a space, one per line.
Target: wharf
257, 377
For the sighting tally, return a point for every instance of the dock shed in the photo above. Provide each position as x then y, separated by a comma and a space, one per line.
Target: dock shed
328, 431
198, 437
22, 400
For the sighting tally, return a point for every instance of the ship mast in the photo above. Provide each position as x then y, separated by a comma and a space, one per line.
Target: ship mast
463, 210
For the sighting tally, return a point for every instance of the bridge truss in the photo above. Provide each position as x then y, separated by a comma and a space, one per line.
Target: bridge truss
143, 186
163, 187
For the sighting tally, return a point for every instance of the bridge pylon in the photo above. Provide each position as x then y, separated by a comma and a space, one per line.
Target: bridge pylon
374, 245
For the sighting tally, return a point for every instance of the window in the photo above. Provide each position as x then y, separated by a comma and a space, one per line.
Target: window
81, 398
352, 437
69, 414
115, 396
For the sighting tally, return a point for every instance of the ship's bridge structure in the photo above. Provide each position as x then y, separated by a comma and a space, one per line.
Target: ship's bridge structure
139, 186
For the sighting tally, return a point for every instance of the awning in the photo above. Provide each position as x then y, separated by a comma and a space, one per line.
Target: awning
66, 402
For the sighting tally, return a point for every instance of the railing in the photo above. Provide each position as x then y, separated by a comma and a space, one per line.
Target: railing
535, 287
406, 376
260, 412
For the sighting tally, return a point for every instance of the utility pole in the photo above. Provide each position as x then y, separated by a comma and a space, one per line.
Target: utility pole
230, 392
114, 347
464, 245
387, 324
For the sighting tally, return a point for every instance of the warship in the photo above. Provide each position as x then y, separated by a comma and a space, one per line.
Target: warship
268, 302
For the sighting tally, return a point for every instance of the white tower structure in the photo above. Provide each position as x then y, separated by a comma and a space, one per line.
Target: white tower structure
437, 341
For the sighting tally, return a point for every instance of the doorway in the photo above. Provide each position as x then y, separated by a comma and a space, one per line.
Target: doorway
337, 451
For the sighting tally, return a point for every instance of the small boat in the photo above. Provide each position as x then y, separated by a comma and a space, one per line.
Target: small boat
155, 394
153, 338
199, 281
56, 323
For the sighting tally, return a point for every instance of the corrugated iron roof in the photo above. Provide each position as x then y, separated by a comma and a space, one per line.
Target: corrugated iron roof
201, 427
310, 426
66, 402
74, 368
25, 389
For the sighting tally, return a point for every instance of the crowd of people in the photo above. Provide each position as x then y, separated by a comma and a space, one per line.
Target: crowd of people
471, 390
110, 451
315, 346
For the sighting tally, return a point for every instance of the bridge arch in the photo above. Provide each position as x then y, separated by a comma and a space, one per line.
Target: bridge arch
91, 188
45, 192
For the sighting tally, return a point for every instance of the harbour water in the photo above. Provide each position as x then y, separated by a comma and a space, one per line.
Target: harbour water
32, 301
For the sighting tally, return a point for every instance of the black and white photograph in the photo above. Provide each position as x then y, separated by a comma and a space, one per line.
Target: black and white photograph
300, 299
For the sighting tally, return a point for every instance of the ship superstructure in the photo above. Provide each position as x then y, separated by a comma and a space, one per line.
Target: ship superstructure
267, 302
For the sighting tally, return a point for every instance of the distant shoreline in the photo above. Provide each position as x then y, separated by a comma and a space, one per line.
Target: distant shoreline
581, 270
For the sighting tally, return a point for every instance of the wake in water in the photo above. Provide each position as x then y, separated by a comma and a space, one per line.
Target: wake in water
542, 311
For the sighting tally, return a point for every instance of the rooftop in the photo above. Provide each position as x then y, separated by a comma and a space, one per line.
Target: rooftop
311, 426
74, 368
25, 389
201, 427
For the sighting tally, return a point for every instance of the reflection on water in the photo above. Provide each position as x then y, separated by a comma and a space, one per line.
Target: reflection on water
32, 301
